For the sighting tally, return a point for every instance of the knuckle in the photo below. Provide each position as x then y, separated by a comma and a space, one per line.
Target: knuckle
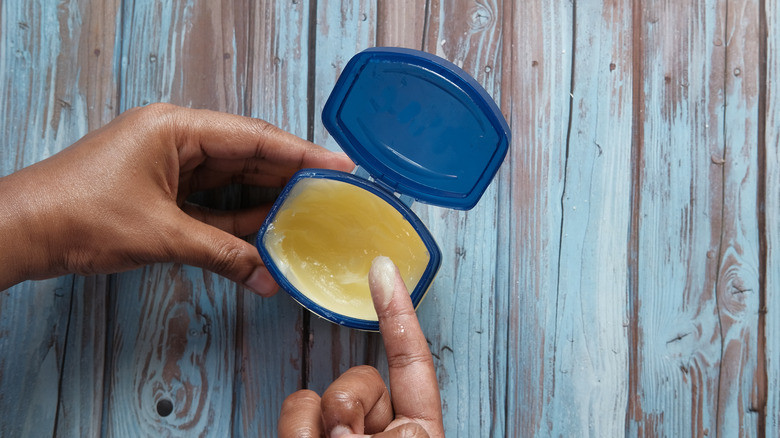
155, 110
158, 115
263, 130
160, 107
406, 359
228, 258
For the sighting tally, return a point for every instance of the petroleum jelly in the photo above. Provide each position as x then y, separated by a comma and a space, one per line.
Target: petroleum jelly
325, 236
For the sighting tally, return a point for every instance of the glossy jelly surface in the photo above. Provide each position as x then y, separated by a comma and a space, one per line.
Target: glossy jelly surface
325, 236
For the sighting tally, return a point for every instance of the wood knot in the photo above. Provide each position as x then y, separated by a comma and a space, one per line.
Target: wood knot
481, 17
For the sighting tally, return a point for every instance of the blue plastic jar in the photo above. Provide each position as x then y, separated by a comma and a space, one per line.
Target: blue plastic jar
419, 128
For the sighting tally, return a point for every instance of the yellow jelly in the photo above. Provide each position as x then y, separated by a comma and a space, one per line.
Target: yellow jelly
325, 236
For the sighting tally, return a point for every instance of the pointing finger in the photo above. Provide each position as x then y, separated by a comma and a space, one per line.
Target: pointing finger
413, 385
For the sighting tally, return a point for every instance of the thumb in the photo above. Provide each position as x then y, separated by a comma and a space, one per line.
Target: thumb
210, 248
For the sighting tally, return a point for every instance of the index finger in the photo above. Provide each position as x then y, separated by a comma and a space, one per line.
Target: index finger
413, 385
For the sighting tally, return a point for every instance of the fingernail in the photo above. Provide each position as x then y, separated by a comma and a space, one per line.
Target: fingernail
339, 431
381, 279
261, 282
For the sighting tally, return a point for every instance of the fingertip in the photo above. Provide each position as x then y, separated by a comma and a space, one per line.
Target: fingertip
300, 415
344, 163
381, 282
302, 397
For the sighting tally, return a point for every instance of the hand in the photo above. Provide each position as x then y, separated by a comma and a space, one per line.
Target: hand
358, 401
116, 199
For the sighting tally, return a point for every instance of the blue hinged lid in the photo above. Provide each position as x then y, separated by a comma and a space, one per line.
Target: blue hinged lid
419, 125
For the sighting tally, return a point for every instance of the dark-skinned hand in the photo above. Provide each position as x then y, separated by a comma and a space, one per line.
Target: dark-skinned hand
359, 403
116, 199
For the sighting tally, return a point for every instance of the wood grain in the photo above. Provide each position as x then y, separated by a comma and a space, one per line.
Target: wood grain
342, 29
170, 341
458, 315
401, 23
80, 404
174, 327
769, 215
569, 324
678, 339
33, 332
537, 73
738, 284
270, 336
49, 93
620, 276
590, 355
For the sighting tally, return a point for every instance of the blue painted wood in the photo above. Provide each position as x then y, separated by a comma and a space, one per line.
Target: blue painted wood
537, 74
738, 286
91, 31
619, 277
172, 339
459, 314
270, 337
81, 407
343, 29
589, 357
769, 224
174, 327
698, 326
44, 65
33, 331
679, 111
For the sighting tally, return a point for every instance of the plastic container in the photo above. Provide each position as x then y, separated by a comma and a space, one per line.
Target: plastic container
419, 129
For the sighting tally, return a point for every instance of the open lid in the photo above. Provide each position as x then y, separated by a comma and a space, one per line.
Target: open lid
419, 125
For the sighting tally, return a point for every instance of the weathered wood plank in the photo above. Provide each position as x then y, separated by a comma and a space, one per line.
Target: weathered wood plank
668, 313
589, 359
472, 245
80, 411
537, 76
769, 224
459, 314
572, 344
173, 358
51, 96
270, 334
172, 361
342, 29
678, 221
33, 329
738, 285
401, 23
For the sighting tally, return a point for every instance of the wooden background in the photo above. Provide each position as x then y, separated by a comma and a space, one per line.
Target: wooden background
620, 277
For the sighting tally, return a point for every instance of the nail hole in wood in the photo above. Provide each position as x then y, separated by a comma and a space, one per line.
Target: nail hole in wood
164, 407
